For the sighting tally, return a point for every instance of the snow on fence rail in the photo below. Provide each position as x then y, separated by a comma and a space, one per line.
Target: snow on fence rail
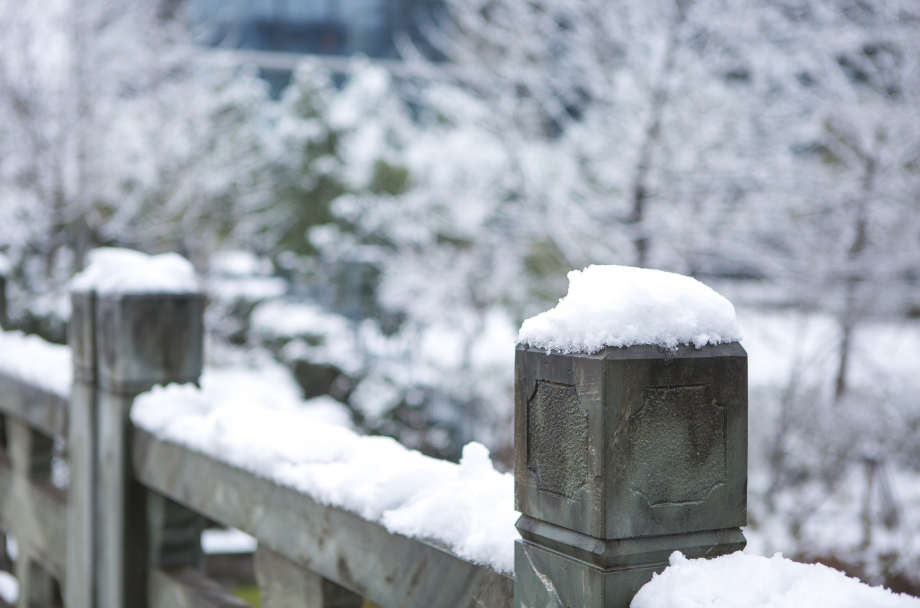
624, 455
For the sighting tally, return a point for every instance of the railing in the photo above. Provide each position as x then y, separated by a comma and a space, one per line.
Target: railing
621, 458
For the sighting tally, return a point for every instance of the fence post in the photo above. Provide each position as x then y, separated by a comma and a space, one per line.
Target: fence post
621, 458
141, 340
81, 441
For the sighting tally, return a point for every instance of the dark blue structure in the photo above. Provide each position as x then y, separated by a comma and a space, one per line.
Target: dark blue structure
320, 27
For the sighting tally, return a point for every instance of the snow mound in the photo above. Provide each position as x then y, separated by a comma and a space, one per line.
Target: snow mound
750, 581
624, 306
469, 507
34, 361
9, 588
112, 270
216, 541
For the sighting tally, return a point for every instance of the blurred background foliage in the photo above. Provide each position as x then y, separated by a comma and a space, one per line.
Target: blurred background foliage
381, 227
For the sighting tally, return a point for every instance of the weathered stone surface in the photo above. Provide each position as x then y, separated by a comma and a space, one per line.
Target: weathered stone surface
679, 437
187, 588
80, 590
621, 458
149, 339
558, 450
31, 508
389, 569
628, 552
666, 440
285, 584
142, 340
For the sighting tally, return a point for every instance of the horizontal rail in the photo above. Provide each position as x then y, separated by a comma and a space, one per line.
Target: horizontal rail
187, 588
35, 512
35, 406
389, 569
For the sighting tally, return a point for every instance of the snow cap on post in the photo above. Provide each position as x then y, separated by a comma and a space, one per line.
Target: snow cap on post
113, 271
630, 436
623, 306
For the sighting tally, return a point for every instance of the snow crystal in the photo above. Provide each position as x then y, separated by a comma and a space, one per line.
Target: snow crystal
760, 582
624, 306
468, 507
214, 541
32, 360
113, 270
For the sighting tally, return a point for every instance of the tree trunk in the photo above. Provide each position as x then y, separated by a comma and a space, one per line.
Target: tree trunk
659, 101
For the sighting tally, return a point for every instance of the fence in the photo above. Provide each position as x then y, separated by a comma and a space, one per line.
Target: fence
622, 457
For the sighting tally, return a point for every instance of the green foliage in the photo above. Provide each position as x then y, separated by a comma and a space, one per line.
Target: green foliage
249, 594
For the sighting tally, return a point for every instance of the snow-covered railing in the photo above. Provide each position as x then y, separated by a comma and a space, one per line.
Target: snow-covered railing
624, 453
32, 414
630, 445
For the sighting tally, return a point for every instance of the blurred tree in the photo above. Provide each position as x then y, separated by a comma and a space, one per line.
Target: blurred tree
113, 130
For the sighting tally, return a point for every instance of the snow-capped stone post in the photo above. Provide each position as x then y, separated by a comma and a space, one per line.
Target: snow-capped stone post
630, 436
137, 323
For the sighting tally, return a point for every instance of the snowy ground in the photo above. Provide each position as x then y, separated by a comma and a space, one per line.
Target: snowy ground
748, 581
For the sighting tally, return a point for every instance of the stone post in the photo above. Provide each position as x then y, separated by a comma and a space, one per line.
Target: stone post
81, 441
621, 458
142, 340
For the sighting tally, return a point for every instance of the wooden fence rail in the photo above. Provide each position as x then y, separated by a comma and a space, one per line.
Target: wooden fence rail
621, 458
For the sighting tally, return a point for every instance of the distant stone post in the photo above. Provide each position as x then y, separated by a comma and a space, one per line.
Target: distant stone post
143, 340
621, 458
80, 588
124, 342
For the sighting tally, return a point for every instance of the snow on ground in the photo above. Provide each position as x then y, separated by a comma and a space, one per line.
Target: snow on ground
9, 588
469, 507
231, 540
35, 361
749, 581
112, 270
624, 306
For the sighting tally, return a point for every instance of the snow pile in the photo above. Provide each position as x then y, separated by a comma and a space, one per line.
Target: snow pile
32, 360
112, 270
468, 507
749, 581
269, 385
9, 588
623, 306
217, 541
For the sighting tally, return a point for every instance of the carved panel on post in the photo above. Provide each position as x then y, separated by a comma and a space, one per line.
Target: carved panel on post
660, 464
